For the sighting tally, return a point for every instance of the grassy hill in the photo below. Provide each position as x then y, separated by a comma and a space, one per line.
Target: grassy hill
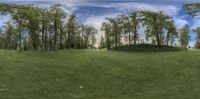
88, 74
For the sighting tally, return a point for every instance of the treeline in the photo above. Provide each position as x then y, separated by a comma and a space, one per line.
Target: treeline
34, 28
159, 30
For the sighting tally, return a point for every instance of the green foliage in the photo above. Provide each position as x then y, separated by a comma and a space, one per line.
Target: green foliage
192, 9
156, 23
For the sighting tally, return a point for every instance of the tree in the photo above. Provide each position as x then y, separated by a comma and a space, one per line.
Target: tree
19, 20
9, 39
116, 30
171, 33
2, 38
45, 17
197, 31
58, 14
135, 25
185, 36
71, 26
33, 25
106, 27
155, 24
102, 43
89, 36
126, 22
193, 9
62, 35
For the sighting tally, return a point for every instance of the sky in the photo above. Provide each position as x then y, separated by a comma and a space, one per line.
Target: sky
93, 12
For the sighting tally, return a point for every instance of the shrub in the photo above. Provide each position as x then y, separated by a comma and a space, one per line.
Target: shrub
147, 48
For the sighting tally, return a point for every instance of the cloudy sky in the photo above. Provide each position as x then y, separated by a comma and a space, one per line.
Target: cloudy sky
93, 12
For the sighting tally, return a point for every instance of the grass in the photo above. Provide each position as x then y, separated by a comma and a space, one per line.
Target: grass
87, 74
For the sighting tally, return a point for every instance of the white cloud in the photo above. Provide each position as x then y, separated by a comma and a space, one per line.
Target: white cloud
179, 23
96, 21
4, 18
134, 6
196, 22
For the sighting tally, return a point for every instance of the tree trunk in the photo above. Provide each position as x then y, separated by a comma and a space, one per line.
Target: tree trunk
82, 29
55, 36
34, 38
108, 43
69, 38
167, 39
135, 34
20, 37
45, 41
43, 33
158, 39
116, 41
61, 38
129, 38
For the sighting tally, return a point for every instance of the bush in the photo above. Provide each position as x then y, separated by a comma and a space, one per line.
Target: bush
148, 48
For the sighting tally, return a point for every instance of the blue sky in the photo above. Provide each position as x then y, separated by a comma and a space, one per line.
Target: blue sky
93, 12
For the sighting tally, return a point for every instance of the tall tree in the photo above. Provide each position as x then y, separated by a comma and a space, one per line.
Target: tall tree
185, 36
106, 27
116, 30
193, 10
171, 33
155, 23
45, 17
89, 36
19, 20
126, 22
58, 15
135, 25
197, 31
71, 26
10, 35
33, 25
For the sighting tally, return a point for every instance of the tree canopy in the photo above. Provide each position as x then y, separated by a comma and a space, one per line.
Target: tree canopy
34, 28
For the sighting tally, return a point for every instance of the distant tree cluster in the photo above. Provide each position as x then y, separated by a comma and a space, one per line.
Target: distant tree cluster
159, 29
34, 28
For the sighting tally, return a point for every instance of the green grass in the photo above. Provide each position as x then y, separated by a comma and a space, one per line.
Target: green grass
87, 74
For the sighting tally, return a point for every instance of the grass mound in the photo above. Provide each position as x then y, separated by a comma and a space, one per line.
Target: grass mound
148, 48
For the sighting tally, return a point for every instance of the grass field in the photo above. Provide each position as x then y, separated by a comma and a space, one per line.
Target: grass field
87, 74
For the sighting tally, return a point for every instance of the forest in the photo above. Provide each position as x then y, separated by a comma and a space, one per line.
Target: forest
33, 28
54, 29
